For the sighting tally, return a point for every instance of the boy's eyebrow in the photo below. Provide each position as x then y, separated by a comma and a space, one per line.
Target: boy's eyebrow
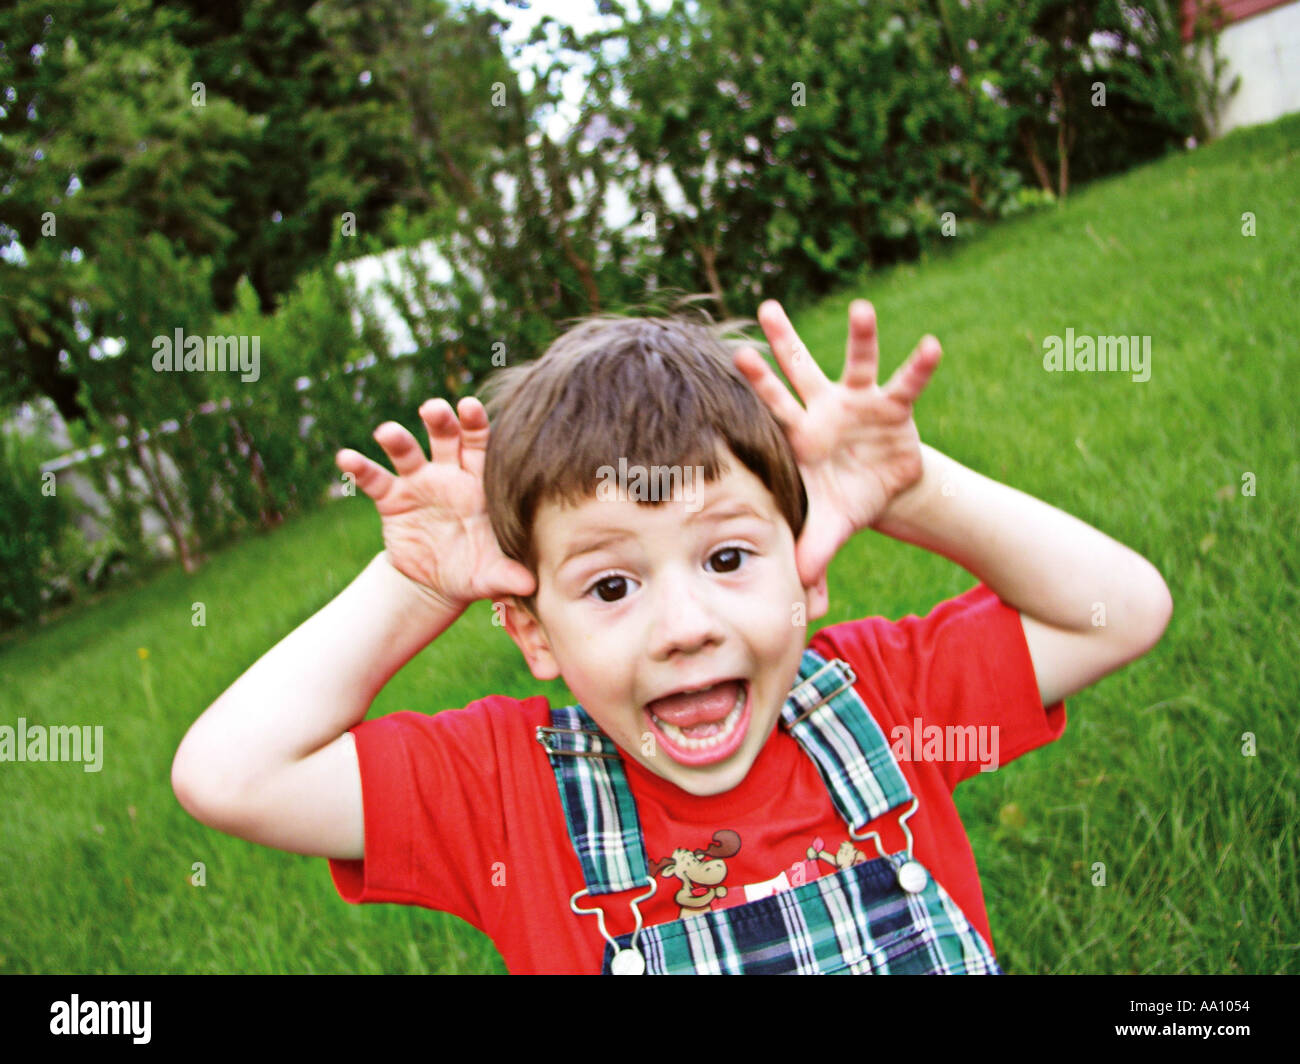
728, 508
595, 541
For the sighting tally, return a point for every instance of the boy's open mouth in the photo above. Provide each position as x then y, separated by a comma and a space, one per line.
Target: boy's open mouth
704, 725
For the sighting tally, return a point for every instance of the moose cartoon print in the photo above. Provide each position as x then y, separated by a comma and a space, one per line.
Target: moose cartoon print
701, 872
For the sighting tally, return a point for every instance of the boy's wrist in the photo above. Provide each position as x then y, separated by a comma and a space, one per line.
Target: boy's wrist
906, 512
420, 597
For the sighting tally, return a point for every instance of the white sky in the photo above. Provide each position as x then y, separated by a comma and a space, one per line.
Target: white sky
581, 15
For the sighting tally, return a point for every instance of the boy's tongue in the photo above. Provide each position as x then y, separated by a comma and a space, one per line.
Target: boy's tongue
698, 707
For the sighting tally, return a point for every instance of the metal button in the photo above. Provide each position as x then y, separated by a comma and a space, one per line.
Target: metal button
629, 962
912, 877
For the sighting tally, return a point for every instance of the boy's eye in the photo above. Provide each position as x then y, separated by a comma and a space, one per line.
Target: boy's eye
613, 588
728, 559
610, 589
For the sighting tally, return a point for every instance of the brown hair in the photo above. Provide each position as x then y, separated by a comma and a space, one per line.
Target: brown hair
655, 390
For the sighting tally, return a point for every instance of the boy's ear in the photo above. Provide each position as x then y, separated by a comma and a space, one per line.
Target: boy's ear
818, 598
528, 634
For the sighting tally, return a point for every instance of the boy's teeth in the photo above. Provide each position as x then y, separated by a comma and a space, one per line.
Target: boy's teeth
692, 742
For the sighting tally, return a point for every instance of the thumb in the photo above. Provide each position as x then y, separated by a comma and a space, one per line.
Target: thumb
507, 577
814, 551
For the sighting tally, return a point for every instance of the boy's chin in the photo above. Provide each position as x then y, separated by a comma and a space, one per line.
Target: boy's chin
705, 784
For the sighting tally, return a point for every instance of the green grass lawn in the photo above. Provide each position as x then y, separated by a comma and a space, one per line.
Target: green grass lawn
1198, 840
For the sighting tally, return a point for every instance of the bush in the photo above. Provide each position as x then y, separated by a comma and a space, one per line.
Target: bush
34, 521
788, 146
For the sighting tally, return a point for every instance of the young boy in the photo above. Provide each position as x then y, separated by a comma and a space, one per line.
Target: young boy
655, 514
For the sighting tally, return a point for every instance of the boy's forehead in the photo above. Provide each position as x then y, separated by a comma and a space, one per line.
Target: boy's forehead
562, 528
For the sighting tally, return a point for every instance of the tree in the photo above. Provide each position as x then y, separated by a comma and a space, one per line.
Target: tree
100, 143
1088, 88
788, 141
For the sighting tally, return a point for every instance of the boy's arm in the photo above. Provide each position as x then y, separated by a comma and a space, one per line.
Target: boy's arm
864, 466
1088, 604
271, 760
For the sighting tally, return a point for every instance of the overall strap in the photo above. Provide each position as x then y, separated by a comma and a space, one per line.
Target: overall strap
828, 718
822, 712
598, 803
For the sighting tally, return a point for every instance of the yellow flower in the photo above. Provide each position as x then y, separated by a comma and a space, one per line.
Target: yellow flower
143, 652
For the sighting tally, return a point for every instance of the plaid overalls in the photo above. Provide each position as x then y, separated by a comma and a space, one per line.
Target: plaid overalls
887, 915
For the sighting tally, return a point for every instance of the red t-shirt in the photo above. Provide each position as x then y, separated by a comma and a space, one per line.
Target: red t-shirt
462, 812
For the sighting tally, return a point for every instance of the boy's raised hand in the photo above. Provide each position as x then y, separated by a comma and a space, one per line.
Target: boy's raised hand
434, 512
855, 441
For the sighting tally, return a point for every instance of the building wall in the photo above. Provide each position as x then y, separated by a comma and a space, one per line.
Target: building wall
1261, 44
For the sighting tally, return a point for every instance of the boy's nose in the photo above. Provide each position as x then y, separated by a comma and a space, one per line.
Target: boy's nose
683, 620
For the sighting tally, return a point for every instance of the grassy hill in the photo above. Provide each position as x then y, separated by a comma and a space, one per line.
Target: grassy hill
1196, 468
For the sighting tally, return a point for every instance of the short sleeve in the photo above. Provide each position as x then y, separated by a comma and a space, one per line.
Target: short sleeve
963, 666
432, 802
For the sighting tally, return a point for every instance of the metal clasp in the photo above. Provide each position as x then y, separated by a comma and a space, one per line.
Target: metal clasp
849, 682
542, 732
902, 823
600, 914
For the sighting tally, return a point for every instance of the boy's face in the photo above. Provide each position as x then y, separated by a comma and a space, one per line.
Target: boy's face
638, 603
